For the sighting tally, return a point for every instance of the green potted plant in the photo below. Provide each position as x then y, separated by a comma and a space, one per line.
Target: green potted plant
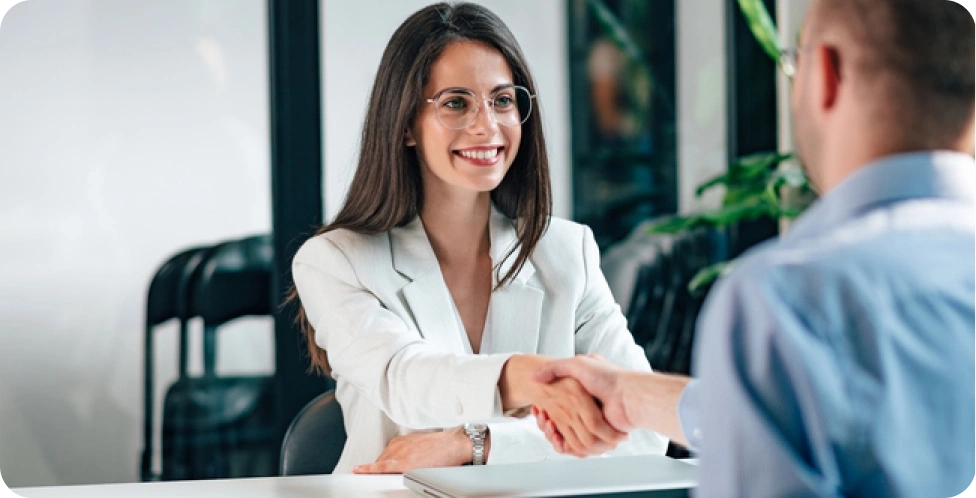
763, 185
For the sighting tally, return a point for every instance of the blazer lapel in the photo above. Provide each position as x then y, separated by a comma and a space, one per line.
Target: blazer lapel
515, 310
427, 297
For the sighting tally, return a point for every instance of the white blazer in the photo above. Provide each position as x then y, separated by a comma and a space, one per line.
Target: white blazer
399, 354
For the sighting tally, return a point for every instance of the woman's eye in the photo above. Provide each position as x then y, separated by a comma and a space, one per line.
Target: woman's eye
455, 103
503, 102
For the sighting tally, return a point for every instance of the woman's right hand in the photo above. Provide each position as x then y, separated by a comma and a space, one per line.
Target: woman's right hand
572, 412
576, 417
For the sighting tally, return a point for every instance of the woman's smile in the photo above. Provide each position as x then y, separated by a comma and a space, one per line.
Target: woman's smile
488, 155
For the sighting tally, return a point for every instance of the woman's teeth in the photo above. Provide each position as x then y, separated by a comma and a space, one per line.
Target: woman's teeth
479, 154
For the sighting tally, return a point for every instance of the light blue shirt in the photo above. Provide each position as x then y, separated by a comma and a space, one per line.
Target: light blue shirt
839, 360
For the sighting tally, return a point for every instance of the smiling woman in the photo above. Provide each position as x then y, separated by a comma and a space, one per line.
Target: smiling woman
443, 283
461, 146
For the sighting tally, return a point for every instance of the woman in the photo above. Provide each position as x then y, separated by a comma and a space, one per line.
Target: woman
432, 295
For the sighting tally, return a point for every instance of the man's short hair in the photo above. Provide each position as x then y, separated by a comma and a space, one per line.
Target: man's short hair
927, 45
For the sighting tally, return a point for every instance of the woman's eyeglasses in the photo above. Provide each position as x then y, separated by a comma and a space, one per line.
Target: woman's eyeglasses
458, 108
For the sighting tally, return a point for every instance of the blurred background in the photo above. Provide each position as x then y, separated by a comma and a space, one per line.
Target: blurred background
131, 131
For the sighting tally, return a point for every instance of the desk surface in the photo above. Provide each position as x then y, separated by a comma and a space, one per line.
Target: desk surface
323, 486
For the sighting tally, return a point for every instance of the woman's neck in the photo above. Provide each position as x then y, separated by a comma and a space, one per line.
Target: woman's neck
458, 227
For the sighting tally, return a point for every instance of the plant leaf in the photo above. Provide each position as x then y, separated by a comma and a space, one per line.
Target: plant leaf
676, 224
762, 26
753, 166
748, 209
708, 275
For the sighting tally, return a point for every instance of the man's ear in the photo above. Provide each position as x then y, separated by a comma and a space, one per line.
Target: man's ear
829, 62
408, 139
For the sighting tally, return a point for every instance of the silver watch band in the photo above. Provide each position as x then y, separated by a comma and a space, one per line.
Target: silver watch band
477, 433
478, 449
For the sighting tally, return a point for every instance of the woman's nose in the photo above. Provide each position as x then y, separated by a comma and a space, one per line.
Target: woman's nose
485, 121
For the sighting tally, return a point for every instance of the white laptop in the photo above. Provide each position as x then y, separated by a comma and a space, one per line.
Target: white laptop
645, 475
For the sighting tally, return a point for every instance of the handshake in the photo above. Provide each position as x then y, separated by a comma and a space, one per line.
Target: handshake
586, 405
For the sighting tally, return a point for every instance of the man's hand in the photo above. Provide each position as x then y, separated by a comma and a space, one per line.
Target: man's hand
447, 448
577, 418
572, 411
630, 400
600, 378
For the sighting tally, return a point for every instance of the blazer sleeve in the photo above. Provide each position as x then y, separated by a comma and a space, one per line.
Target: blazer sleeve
391, 365
601, 328
521, 441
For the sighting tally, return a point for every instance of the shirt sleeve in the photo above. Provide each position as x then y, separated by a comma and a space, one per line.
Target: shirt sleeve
767, 387
688, 406
520, 441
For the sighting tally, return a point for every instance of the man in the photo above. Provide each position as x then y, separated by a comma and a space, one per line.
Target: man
839, 360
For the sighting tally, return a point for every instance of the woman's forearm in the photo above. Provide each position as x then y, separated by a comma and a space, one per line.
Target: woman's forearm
515, 384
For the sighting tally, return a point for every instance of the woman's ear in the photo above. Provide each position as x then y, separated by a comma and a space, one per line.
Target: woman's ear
408, 139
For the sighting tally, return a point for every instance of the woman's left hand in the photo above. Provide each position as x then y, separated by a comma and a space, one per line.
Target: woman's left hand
447, 448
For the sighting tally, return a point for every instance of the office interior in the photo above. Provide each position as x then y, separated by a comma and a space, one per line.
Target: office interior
132, 131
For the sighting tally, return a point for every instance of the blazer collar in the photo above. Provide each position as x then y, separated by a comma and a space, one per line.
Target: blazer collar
413, 256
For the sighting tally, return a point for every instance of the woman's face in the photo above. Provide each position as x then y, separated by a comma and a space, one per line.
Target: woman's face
475, 158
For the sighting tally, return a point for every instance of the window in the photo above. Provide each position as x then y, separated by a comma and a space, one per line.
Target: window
622, 78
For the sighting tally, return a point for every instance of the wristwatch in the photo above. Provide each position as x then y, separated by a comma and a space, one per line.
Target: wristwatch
477, 433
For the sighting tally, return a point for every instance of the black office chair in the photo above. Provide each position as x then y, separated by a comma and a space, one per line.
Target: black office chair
234, 282
315, 438
166, 300
223, 426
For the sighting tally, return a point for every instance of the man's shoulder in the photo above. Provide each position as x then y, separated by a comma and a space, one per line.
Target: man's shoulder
852, 273
886, 242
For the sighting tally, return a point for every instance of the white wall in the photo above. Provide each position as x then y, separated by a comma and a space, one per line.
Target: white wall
354, 34
702, 101
128, 130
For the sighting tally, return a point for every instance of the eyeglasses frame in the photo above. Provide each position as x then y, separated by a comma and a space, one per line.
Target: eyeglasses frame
477, 108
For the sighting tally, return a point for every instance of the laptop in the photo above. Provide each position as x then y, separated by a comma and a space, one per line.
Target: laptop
644, 475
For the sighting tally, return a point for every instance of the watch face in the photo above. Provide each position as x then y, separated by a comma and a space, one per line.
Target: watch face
475, 428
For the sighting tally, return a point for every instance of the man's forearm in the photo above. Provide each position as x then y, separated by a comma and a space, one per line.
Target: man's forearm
651, 402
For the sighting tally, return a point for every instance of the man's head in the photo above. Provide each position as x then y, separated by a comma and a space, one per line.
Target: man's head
878, 77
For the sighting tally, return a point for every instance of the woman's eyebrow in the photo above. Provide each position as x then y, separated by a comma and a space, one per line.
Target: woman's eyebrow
453, 89
461, 89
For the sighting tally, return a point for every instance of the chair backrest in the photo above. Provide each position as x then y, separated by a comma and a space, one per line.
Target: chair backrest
166, 299
315, 438
234, 281
162, 302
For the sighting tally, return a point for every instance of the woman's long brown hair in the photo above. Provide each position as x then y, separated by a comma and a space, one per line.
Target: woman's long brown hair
386, 190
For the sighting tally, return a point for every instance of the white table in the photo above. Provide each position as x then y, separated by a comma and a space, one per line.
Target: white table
323, 486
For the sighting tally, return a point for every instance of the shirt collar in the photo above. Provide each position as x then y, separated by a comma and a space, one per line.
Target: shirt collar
916, 175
